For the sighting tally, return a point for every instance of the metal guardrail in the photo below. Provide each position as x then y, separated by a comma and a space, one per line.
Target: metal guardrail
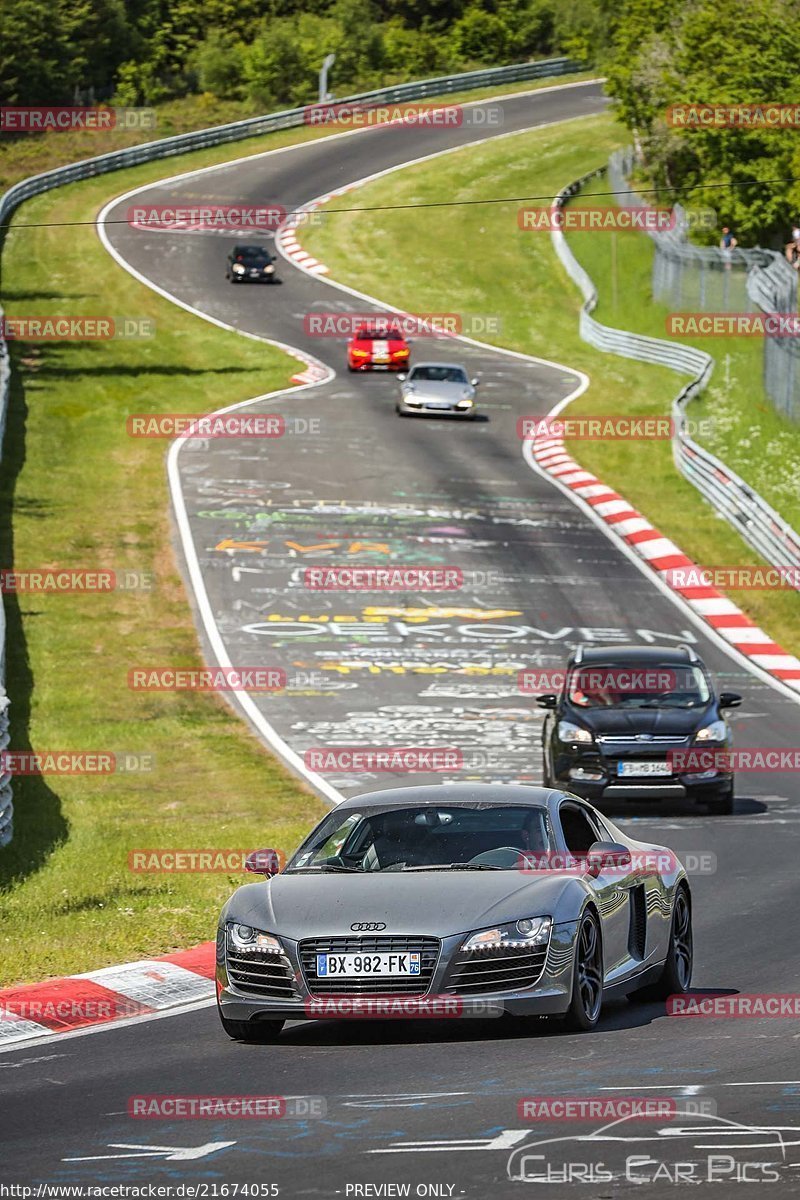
757, 522
217, 135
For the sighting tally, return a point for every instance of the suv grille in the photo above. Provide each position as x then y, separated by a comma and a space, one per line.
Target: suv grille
616, 739
262, 975
496, 970
386, 985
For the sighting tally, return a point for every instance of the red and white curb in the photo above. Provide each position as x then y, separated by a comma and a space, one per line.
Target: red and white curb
286, 236
136, 989
663, 556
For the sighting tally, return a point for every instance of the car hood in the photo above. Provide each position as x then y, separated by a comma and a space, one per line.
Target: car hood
428, 389
663, 721
436, 903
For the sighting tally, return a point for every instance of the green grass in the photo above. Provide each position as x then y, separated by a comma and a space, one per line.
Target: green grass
418, 261
76, 491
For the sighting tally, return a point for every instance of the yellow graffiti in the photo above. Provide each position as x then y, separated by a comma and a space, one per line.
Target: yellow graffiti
436, 613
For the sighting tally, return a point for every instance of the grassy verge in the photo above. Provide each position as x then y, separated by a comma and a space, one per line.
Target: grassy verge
42, 152
76, 491
418, 261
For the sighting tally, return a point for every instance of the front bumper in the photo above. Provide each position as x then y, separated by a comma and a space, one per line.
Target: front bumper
574, 768
550, 995
419, 410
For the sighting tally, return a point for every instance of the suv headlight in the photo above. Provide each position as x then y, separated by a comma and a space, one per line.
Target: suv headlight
717, 731
237, 269
567, 732
270, 270
521, 935
248, 940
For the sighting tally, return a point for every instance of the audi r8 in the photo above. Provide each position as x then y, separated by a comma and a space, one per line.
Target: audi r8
634, 723
437, 389
377, 346
454, 900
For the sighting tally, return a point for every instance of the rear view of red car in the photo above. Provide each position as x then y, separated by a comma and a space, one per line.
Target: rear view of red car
377, 346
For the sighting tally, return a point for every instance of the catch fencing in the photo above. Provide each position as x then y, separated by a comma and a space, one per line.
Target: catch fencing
757, 522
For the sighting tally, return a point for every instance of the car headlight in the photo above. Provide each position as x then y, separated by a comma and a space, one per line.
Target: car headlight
568, 732
465, 403
717, 731
237, 269
248, 940
521, 935
269, 270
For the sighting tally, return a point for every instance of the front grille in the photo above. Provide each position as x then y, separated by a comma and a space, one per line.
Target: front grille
616, 739
386, 985
496, 970
262, 975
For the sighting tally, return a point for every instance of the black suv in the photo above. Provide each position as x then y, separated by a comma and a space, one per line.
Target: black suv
251, 264
633, 723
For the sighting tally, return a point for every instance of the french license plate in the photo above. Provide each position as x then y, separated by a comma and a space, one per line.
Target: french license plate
643, 768
360, 966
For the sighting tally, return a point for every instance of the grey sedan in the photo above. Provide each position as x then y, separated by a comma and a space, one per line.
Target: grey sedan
437, 389
454, 900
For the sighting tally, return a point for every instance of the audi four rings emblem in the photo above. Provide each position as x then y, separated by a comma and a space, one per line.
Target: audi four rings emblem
368, 926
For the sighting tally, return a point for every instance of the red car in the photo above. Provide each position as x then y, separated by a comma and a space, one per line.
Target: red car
377, 346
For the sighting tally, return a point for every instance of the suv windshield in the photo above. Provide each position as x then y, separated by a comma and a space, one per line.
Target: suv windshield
439, 374
440, 837
638, 685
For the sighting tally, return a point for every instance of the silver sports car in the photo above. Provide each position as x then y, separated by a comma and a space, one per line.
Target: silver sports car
454, 900
437, 389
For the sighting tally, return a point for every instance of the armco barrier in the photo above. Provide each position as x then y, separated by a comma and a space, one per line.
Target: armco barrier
217, 135
747, 512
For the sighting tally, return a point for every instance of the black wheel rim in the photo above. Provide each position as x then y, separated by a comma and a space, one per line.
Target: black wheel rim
590, 969
682, 940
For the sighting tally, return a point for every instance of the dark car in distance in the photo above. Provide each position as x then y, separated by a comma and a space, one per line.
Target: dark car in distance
251, 264
639, 723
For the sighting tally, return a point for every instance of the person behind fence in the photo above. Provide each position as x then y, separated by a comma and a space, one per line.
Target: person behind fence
728, 240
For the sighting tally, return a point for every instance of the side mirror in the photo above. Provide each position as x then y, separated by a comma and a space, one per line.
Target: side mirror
608, 856
474, 382
263, 862
730, 700
402, 376
550, 700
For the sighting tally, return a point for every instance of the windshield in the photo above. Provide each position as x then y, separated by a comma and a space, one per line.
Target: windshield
441, 837
638, 685
251, 252
439, 374
387, 332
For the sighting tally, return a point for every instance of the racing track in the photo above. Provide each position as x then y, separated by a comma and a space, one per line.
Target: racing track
459, 495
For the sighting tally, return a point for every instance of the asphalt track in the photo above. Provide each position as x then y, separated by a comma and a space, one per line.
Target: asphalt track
424, 1104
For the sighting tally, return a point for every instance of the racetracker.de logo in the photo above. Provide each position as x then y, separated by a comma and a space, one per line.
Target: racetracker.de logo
733, 116
54, 1011
383, 579
601, 680
743, 578
733, 324
75, 329
385, 1008
206, 679
214, 1108
758, 758
74, 762
215, 425
30, 119
597, 1108
594, 218
357, 759
780, 1005
608, 427
207, 217
78, 580
404, 116
223, 861
389, 325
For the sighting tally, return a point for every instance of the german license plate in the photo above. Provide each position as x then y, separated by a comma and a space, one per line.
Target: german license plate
643, 768
360, 966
